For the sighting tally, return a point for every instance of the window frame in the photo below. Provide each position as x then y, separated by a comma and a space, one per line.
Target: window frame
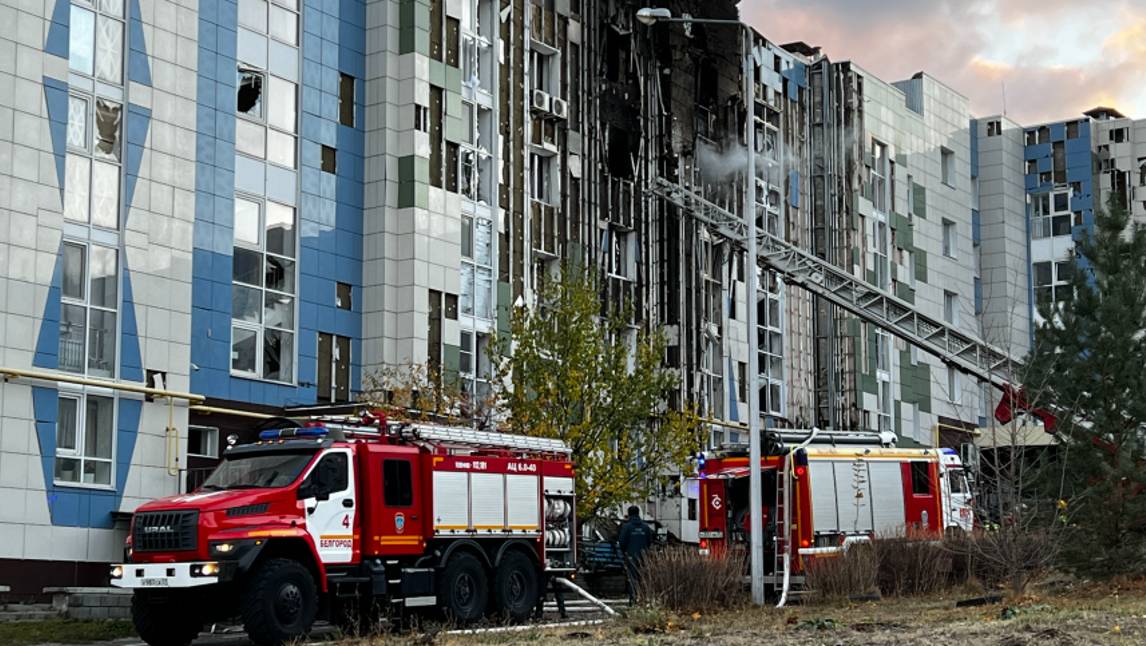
88, 306
261, 326
81, 395
212, 431
916, 466
405, 478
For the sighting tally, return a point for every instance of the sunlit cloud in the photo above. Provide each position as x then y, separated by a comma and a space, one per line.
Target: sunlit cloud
1043, 59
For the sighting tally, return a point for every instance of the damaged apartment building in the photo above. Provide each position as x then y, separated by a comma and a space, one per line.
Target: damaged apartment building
874, 177
251, 209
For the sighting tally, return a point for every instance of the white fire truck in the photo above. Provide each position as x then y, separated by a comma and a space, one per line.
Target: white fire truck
320, 517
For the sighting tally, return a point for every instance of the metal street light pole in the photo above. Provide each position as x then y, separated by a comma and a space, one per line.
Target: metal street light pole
651, 16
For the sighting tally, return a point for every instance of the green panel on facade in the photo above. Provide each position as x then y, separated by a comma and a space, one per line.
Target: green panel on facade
413, 27
504, 297
868, 384
453, 79
920, 206
406, 181
451, 358
904, 292
921, 265
869, 277
438, 74
855, 255
853, 327
897, 420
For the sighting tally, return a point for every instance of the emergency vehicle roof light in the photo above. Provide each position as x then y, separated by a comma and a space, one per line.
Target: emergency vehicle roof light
287, 433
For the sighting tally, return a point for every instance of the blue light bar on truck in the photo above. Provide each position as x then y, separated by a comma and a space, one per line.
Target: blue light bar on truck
287, 433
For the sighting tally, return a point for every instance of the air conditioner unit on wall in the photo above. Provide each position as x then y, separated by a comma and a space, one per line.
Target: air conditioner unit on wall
559, 108
540, 100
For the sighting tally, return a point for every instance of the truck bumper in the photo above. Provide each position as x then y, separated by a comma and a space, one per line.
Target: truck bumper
161, 576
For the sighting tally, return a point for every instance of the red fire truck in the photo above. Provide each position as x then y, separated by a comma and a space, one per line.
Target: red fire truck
823, 491
311, 519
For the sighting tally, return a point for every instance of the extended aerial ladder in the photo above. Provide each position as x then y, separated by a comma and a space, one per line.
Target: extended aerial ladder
966, 353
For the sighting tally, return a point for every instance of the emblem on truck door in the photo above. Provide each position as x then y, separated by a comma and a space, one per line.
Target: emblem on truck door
716, 501
399, 522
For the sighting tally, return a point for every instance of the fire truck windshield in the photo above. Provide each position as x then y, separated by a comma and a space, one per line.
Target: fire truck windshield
258, 471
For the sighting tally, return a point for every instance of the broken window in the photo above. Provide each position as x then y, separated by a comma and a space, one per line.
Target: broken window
540, 167
1072, 130
1032, 167
421, 118
994, 128
1032, 138
619, 160
333, 368
329, 159
109, 116
616, 55
343, 296
346, 100
1058, 150
1044, 134
1118, 135
249, 98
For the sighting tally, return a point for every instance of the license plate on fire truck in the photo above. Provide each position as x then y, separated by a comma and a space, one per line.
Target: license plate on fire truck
153, 582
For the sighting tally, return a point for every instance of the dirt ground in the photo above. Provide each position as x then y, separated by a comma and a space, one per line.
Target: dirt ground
1077, 614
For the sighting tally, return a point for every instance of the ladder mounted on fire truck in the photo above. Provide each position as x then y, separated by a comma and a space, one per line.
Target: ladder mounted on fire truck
447, 437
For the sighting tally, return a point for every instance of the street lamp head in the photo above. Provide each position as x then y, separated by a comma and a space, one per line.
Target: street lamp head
650, 15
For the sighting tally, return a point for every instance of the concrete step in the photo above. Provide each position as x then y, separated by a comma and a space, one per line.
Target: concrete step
28, 612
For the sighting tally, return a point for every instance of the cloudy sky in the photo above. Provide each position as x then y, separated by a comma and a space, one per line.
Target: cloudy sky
1055, 58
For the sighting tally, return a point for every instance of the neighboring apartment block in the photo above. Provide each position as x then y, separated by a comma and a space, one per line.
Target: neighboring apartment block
212, 212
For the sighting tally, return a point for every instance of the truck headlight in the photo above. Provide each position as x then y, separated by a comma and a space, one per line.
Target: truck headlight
223, 548
205, 569
117, 571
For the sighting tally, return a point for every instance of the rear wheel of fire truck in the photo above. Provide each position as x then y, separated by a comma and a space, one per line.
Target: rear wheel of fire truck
515, 587
163, 623
279, 603
463, 589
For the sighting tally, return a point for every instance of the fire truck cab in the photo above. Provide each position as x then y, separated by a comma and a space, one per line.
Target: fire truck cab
333, 518
823, 491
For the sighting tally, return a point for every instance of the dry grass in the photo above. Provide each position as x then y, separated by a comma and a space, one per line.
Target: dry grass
893, 566
678, 578
1090, 614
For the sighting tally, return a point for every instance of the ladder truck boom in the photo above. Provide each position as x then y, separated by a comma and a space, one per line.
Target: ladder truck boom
871, 304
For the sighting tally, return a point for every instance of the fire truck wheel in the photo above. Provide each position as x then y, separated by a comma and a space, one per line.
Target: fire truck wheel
162, 624
279, 603
515, 586
463, 589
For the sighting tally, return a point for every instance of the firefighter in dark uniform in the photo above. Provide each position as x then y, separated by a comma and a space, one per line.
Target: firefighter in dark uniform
636, 537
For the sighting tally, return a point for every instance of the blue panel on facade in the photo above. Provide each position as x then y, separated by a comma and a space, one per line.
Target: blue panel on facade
56, 100
733, 409
1079, 144
56, 42
1058, 131
1037, 151
48, 340
139, 70
1044, 164
974, 128
131, 363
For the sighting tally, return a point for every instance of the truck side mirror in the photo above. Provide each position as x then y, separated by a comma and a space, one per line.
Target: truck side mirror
313, 489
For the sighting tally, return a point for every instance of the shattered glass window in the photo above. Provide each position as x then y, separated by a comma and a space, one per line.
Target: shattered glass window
109, 117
